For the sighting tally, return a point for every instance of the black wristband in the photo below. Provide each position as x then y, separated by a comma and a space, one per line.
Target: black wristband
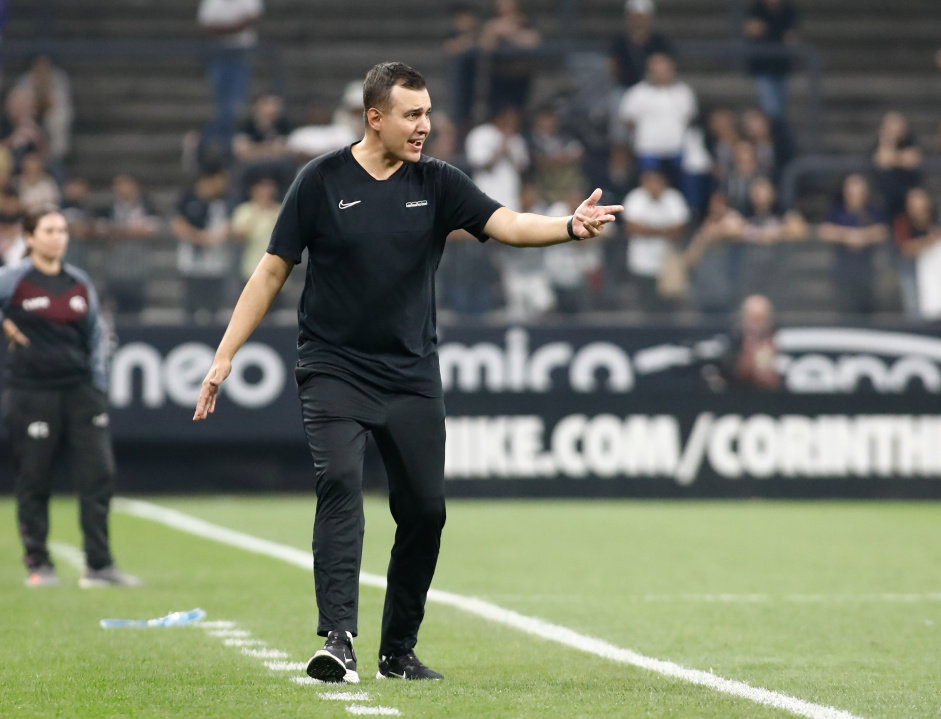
571, 230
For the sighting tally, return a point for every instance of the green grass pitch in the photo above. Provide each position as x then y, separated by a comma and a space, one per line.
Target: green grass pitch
834, 603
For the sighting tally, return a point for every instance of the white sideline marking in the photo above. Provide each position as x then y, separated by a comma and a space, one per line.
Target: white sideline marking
230, 633
286, 666
217, 624
306, 680
73, 556
264, 653
487, 610
345, 696
799, 598
244, 643
381, 711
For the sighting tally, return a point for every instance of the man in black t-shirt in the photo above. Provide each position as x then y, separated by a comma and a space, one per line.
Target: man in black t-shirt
373, 218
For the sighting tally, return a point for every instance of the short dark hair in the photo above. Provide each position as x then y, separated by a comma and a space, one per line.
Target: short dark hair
377, 89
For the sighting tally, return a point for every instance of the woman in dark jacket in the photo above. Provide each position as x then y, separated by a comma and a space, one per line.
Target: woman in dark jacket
55, 394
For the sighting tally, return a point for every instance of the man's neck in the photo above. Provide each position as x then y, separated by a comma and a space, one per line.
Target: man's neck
374, 158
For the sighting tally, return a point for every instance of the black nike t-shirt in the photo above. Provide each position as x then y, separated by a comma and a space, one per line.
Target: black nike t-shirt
368, 307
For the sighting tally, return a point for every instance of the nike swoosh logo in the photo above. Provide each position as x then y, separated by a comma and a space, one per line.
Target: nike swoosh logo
343, 205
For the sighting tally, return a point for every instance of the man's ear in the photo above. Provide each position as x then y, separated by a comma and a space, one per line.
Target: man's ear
374, 118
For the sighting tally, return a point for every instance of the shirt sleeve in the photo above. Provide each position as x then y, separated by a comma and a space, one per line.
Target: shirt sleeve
97, 336
295, 224
10, 277
691, 107
628, 109
461, 204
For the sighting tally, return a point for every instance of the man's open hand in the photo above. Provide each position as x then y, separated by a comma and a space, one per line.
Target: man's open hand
591, 218
207, 395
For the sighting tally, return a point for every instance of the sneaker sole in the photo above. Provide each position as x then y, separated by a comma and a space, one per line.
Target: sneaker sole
41, 583
86, 583
325, 667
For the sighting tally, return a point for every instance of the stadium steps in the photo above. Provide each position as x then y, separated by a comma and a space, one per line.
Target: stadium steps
875, 57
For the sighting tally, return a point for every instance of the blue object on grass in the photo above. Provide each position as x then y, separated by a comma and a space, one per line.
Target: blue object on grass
176, 619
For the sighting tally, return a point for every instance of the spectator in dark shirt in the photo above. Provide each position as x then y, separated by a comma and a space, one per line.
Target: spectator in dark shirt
757, 129
262, 135
712, 256
461, 46
631, 48
509, 34
737, 184
261, 149
556, 157
856, 227
77, 209
771, 25
129, 224
721, 136
204, 259
897, 160
760, 269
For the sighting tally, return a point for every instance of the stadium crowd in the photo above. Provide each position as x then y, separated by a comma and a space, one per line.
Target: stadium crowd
703, 226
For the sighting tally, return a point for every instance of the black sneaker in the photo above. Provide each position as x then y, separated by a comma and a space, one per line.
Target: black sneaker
336, 662
407, 666
109, 576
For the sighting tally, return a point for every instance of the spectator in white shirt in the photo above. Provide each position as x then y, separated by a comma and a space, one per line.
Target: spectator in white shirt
52, 91
655, 217
657, 111
527, 285
232, 24
496, 151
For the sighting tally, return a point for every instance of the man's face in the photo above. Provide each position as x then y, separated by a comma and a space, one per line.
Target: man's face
125, 188
660, 69
268, 109
654, 183
855, 192
638, 22
404, 125
757, 315
263, 192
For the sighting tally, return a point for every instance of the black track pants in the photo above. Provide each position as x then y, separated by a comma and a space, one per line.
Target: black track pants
38, 422
409, 432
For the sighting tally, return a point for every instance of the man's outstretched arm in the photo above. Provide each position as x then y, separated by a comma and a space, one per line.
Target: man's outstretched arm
530, 230
255, 301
